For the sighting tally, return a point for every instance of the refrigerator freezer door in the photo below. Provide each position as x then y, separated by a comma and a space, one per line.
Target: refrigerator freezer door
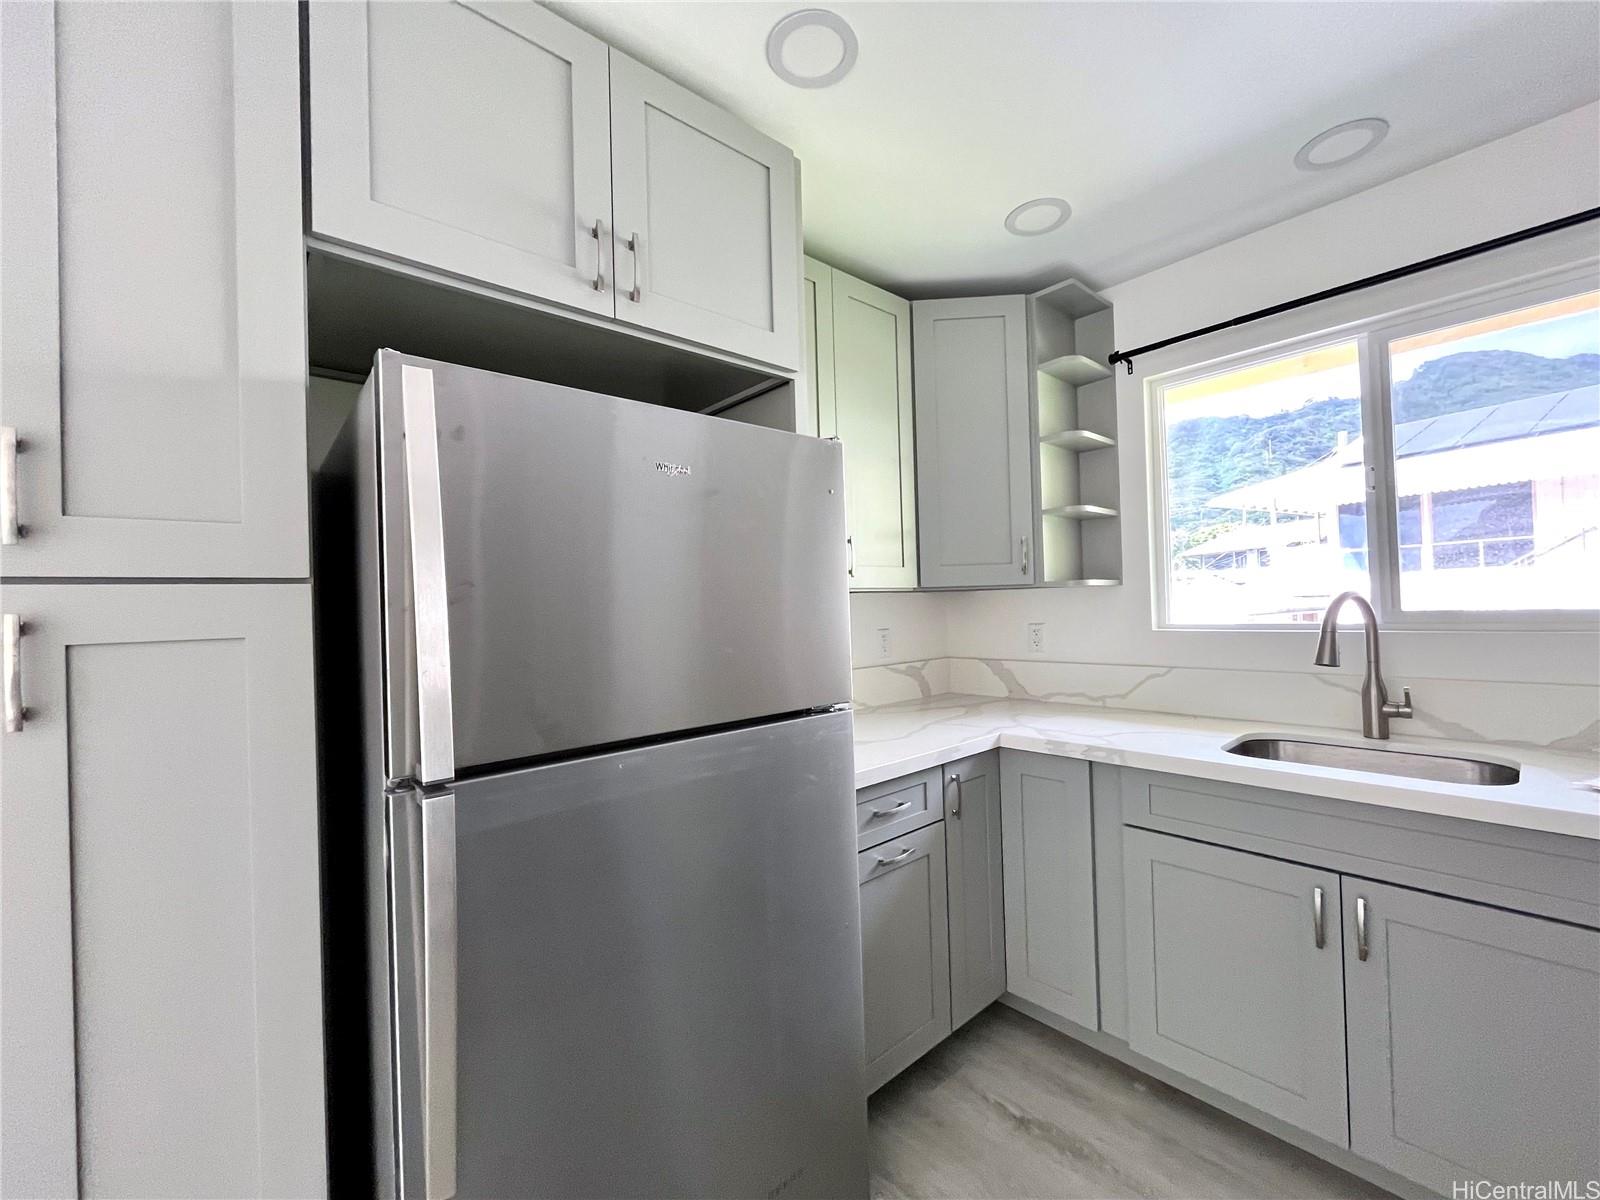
658, 974
614, 571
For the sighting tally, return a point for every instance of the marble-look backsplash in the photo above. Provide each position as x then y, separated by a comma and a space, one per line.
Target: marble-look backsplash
1557, 716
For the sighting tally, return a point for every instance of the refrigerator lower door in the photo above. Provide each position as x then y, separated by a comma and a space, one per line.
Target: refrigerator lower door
656, 975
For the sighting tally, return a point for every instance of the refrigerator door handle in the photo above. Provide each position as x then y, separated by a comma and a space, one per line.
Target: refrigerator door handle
438, 967
429, 595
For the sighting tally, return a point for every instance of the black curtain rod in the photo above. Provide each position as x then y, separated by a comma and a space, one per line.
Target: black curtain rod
1438, 260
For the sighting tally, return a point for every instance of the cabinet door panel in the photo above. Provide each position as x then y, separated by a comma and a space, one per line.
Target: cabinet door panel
472, 138
709, 205
905, 950
872, 388
974, 435
1047, 826
1226, 982
977, 892
1474, 1040
161, 934
153, 354
817, 319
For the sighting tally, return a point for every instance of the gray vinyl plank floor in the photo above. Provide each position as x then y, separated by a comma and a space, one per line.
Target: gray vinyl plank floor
1009, 1108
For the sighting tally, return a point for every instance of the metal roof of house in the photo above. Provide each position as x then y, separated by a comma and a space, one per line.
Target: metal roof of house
1529, 417
1308, 488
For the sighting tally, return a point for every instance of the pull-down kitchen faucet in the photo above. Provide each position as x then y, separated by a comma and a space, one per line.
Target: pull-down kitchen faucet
1376, 708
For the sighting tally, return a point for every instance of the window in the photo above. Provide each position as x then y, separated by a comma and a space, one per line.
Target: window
1256, 464
1482, 494
1495, 429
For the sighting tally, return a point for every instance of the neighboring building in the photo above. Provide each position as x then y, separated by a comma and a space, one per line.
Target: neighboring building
1499, 491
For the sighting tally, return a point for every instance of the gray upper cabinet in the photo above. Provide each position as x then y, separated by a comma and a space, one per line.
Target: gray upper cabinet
1048, 832
707, 221
159, 925
871, 332
905, 951
976, 892
974, 435
816, 319
153, 353
1235, 976
1474, 1039
473, 138
494, 141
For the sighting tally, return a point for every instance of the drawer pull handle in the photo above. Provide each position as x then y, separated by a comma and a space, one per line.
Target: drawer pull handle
1319, 933
598, 233
889, 812
1362, 948
956, 811
16, 715
635, 293
884, 862
10, 445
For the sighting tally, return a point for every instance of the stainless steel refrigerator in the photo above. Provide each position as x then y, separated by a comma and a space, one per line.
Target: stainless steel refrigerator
589, 865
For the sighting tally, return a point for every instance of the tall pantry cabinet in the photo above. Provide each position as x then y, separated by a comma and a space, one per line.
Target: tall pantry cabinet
159, 950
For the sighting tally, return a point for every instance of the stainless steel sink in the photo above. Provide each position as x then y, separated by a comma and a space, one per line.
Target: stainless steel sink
1378, 760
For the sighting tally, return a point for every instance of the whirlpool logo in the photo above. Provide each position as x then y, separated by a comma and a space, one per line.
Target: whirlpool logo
672, 468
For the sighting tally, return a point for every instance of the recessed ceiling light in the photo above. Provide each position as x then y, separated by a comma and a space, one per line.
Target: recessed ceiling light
812, 48
1341, 144
1033, 217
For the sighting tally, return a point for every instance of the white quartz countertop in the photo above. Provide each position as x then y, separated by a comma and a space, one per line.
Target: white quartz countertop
899, 739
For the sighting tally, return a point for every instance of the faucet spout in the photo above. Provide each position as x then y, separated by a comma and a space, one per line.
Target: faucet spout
1376, 709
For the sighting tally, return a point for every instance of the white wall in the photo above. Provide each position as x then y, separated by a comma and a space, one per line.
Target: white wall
1541, 173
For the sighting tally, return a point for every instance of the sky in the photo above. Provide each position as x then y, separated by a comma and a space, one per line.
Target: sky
1285, 384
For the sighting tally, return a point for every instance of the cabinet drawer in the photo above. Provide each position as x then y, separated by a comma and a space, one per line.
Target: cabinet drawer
1525, 869
898, 806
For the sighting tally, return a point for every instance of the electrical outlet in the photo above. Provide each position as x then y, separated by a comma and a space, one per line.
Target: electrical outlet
883, 643
1036, 637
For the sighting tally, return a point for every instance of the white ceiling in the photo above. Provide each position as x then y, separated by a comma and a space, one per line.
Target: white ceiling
1169, 128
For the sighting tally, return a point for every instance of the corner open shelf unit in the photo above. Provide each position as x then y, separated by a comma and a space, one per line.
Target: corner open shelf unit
1075, 398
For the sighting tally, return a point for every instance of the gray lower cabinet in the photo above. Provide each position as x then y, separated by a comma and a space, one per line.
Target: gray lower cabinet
1048, 831
974, 438
152, 300
160, 963
1235, 976
1474, 1039
905, 951
976, 892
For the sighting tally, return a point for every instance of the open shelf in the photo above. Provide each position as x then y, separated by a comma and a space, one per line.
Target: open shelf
1075, 369
1080, 512
1091, 583
1078, 439
1071, 299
